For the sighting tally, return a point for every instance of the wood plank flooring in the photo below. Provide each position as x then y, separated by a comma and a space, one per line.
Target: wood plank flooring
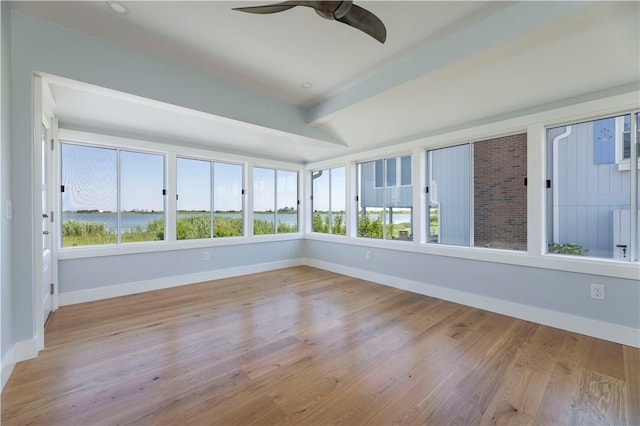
309, 347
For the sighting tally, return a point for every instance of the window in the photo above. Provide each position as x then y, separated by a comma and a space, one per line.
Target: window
589, 202
111, 196
448, 195
477, 194
328, 201
623, 141
385, 211
275, 201
193, 199
398, 171
198, 209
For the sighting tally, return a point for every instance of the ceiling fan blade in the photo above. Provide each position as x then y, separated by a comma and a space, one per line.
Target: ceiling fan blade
365, 21
268, 8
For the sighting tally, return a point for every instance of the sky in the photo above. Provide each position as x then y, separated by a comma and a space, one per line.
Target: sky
89, 175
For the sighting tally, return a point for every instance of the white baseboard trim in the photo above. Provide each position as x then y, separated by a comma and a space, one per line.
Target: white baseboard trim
587, 326
126, 289
21, 351
8, 363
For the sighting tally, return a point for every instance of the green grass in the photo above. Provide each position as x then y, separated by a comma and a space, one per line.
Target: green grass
79, 233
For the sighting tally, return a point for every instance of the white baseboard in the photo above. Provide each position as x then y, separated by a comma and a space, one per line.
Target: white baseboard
587, 326
107, 292
8, 363
21, 351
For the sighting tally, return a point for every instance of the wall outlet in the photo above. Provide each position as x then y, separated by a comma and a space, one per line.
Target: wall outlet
205, 256
597, 291
367, 254
8, 210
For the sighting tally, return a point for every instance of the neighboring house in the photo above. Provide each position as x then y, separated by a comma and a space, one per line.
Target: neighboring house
589, 179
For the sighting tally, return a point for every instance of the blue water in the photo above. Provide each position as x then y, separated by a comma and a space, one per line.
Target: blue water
131, 220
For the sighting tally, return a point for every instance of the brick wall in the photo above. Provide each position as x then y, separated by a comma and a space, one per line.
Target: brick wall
500, 197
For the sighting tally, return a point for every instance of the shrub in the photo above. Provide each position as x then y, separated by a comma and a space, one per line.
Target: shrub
567, 248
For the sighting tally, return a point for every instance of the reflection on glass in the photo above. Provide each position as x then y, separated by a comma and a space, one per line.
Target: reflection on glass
89, 198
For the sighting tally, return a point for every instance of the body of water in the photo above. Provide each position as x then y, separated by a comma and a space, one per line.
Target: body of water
132, 220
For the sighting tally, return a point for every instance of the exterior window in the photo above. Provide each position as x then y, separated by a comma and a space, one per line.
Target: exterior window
477, 195
228, 200
111, 196
198, 209
385, 212
194, 199
448, 198
623, 141
589, 202
328, 201
275, 201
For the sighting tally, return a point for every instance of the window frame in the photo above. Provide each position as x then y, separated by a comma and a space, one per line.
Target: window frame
329, 172
275, 193
118, 150
212, 162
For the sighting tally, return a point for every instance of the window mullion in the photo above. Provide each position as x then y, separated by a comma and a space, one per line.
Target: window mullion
633, 168
471, 197
212, 184
118, 202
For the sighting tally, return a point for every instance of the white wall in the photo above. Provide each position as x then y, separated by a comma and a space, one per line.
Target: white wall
6, 317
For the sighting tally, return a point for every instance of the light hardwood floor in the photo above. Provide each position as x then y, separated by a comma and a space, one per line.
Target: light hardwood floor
305, 346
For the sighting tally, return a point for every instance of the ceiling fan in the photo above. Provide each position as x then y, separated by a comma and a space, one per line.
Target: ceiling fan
343, 11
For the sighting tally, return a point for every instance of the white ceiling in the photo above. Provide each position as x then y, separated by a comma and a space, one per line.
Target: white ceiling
444, 64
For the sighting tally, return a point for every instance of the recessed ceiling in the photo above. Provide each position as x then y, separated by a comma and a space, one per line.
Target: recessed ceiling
444, 64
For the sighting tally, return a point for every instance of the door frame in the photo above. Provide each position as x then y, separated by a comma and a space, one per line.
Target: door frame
42, 112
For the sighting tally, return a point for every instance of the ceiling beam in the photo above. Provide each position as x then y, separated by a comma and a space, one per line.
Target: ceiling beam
502, 26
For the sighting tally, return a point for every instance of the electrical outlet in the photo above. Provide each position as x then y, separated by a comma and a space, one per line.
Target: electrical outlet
597, 291
367, 254
8, 210
205, 255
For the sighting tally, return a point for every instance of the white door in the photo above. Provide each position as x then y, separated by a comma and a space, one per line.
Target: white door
47, 212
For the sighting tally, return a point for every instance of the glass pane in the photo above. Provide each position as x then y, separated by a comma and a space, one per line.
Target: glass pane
448, 201
320, 206
499, 193
141, 198
227, 200
399, 204
391, 171
89, 200
379, 170
338, 201
287, 197
589, 200
406, 170
264, 202
194, 199
370, 200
